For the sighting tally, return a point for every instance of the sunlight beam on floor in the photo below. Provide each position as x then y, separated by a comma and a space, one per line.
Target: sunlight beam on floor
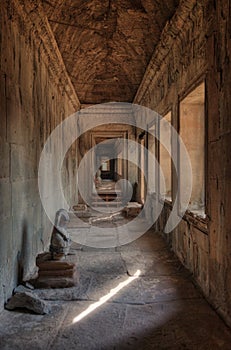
105, 298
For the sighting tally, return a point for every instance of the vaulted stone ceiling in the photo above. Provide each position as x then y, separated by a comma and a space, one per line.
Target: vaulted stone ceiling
106, 45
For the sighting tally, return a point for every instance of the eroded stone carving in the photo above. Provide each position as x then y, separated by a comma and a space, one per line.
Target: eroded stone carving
60, 240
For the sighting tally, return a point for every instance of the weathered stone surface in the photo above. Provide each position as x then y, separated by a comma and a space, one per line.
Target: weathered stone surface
160, 264
132, 209
106, 60
78, 292
106, 261
195, 46
55, 273
107, 45
52, 265
151, 312
169, 326
60, 240
28, 331
22, 289
36, 94
57, 281
29, 301
80, 207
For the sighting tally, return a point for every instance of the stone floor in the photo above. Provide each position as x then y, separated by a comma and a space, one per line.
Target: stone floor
136, 296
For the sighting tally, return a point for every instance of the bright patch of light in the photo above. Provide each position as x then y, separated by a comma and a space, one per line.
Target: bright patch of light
105, 298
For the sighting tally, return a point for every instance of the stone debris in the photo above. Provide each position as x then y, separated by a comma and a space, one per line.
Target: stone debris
29, 285
80, 207
81, 211
21, 289
132, 209
27, 300
107, 218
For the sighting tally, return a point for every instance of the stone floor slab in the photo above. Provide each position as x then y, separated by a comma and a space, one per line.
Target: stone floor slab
115, 309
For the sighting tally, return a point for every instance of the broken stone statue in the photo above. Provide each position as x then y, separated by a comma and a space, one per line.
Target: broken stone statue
53, 270
60, 240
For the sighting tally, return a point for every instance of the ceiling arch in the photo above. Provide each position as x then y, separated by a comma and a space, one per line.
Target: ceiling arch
107, 45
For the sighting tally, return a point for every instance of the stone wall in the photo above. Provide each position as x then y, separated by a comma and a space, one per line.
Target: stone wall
195, 46
35, 96
219, 161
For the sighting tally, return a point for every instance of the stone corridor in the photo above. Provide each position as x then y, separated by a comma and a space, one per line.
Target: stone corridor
137, 296
133, 94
